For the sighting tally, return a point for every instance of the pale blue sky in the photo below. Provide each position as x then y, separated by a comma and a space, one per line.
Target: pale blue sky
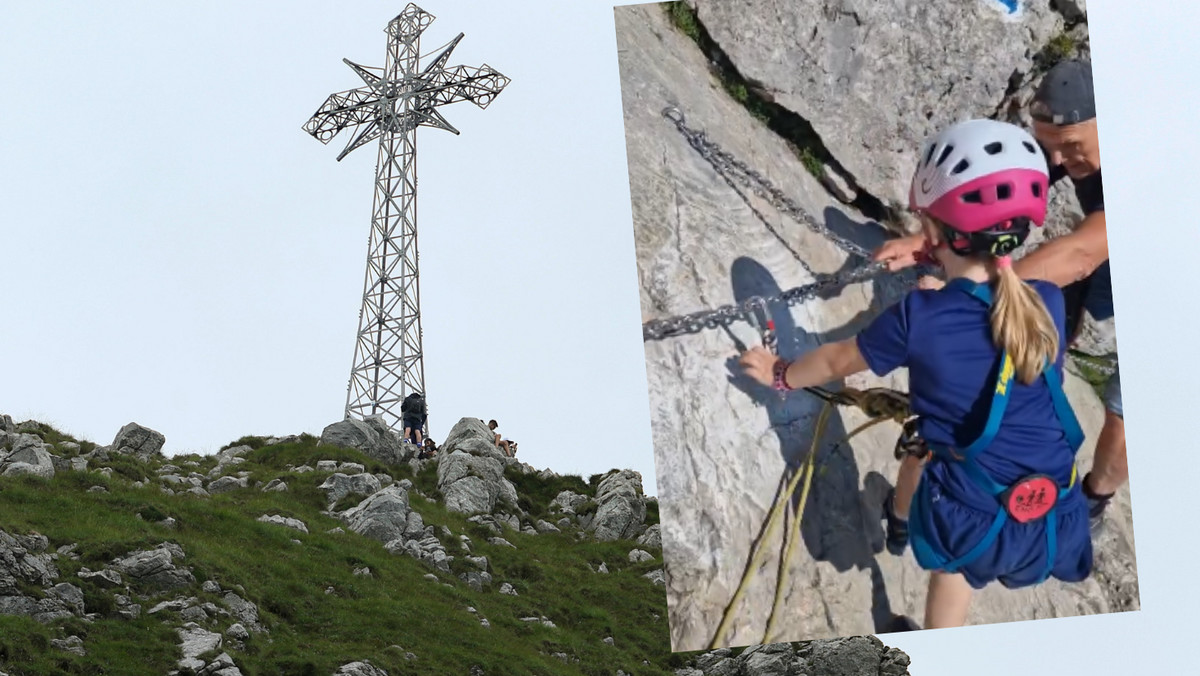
179, 253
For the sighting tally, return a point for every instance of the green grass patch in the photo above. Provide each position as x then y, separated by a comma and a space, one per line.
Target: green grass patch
536, 494
312, 631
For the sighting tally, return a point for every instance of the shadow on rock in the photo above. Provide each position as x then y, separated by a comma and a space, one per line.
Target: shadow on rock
836, 524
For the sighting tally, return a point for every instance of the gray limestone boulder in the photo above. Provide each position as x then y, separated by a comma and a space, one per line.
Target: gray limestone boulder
295, 524
23, 560
621, 507
472, 435
371, 436
227, 483
156, 569
338, 486
469, 484
363, 668
29, 456
245, 611
141, 442
383, 516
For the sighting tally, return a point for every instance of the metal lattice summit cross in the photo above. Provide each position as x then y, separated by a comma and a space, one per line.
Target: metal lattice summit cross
398, 98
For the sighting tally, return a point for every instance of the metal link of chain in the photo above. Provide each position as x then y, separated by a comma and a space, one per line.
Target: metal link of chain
696, 322
735, 170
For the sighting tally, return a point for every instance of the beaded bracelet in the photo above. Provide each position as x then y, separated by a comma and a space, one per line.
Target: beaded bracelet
781, 383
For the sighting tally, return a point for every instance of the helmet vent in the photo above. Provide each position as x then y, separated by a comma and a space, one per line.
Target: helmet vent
973, 197
993, 148
1004, 191
960, 167
929, 154
1037, 190
945, 153
1029, 147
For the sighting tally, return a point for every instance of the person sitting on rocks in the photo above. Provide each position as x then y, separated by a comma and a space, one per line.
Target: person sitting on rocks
998, 498
502, 443
1064, 122
414, 414
428, 449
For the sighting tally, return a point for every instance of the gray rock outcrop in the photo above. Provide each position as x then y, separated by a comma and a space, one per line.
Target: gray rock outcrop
470, 471
363, 668
383, 516
141, 442
29, 456
338, 486
856, 656
288, 522
22, 559
371, 436
156, 569
621, 507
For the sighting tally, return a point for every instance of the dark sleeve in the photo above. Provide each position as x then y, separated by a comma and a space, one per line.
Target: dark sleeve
884, 343
1090, 193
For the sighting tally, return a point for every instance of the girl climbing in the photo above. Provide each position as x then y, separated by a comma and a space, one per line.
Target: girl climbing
998, 499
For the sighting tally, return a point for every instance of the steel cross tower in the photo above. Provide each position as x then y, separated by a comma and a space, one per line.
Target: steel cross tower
398, 98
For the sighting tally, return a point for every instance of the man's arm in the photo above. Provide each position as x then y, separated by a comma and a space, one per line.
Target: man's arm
1069, 258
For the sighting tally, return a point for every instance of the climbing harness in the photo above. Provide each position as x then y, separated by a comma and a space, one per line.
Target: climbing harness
1031, 498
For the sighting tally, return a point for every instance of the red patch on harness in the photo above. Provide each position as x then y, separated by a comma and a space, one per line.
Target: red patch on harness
1031, 498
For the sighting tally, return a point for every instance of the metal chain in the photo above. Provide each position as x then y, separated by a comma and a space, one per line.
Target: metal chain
734, 170
657, 329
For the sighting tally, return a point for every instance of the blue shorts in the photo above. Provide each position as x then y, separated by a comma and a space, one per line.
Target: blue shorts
1099, 299
413, 425
952, 522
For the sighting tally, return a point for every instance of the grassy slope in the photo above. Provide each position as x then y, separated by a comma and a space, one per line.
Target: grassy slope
312, 632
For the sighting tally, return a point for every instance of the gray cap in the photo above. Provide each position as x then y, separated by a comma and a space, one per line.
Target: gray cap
1065, 95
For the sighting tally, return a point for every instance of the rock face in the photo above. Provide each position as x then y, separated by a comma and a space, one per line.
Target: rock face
621, 508
383, 516
371, 436
472, 435
29, 456
339, 485
849, 69
471, 470
140, 442
723, 444
156, 569
857, 656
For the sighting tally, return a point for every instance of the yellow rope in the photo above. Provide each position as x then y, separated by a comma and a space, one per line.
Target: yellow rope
886, 408
776, 510
781, 585
809, 467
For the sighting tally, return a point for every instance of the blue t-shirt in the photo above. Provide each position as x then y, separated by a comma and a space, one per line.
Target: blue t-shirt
944, 338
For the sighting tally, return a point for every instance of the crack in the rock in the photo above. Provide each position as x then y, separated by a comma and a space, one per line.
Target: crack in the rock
789, 125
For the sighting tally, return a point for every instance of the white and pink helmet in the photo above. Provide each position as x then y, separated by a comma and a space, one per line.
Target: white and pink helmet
979, 174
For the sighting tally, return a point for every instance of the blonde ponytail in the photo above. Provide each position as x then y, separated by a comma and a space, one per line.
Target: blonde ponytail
1022, 325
